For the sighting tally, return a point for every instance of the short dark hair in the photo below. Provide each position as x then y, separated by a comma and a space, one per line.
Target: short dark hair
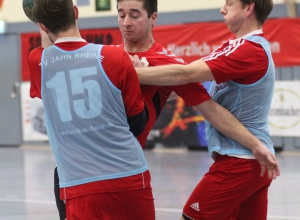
56, 15
149, 5
262, 8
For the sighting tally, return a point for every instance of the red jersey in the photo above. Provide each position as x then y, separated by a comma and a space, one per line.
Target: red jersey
155, 97
231, 61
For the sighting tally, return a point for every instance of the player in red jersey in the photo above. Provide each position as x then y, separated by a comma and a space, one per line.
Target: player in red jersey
244, 73
156, 97
136, 19
94, 107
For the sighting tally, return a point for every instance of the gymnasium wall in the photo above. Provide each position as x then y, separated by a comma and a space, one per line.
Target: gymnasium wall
11, 10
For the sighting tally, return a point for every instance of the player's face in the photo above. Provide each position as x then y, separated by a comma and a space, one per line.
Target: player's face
133, 20
234, 15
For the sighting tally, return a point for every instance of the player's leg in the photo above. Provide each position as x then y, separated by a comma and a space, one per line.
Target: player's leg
229, 182
256, 206
136, 204
206, 194
60, 204
141, 205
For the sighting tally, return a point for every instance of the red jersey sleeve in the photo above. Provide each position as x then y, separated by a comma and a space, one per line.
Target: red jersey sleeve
244, 62
34, 61
122, 74
192, 94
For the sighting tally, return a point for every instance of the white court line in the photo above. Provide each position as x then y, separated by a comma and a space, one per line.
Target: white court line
27, 201
283, 217
168, 210
156, 209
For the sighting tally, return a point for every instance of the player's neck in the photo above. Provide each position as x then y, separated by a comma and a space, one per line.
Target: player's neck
73, 32
248, 27
138, 46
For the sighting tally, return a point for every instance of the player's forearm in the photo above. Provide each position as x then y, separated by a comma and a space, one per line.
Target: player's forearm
162, 75
228, 125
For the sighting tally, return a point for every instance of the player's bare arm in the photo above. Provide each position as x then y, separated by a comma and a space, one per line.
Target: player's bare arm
227, 124
175, 74
218, 116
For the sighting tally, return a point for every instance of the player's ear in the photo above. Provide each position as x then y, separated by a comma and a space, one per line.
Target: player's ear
76, 12
153, 18
43, 27
250, 8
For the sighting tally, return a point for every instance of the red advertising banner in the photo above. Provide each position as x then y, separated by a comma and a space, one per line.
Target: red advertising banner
30, 41
193, 41
1, 4
284, 36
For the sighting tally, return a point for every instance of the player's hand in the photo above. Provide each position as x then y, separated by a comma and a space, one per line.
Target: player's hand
137, 62
267, 161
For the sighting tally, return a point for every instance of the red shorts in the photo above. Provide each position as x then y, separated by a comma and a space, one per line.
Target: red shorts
138, 204
232, 189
